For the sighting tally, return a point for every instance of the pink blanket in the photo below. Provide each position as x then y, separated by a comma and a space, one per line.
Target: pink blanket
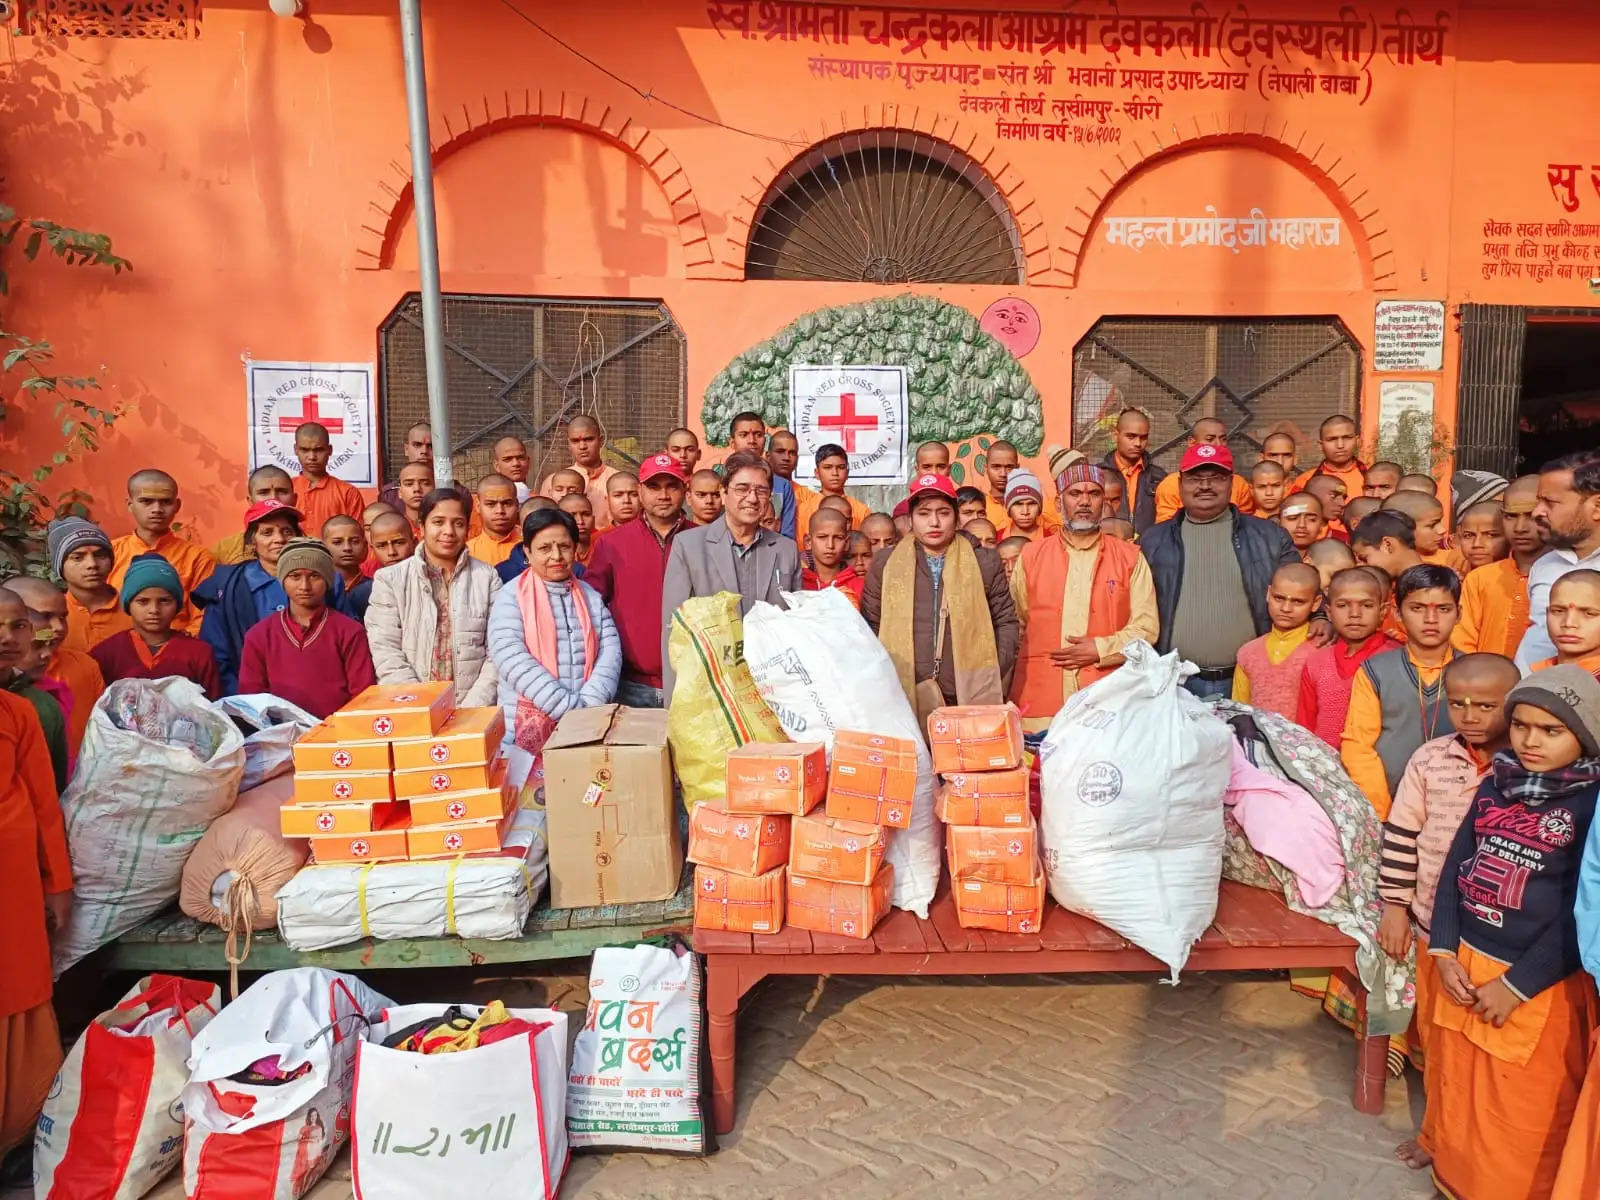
1284, 823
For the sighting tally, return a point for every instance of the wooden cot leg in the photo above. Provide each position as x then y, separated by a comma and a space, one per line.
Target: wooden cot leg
722, 1012
1372, 1060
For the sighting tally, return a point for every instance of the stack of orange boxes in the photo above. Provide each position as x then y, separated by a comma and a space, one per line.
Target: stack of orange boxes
739, 845
992, 841
401, 773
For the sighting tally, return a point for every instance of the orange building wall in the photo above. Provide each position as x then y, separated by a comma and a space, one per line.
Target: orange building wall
257, 177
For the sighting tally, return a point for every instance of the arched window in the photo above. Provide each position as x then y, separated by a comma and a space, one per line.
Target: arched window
884, 206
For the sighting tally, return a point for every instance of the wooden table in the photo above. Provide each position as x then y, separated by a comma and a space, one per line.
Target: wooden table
1253, 931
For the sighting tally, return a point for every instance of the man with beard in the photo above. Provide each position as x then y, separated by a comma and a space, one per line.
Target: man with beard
1080, 596
1568, 514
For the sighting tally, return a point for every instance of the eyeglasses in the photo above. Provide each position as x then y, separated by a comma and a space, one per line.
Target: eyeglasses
750, 489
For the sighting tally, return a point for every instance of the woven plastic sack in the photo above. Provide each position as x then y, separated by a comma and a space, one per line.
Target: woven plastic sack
234, 872
715, 705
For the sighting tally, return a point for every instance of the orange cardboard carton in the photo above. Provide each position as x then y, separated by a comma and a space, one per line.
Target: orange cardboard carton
874, 784
847, 909
350, 787
396, 710
430, 781
993, 855
975, 737
322, 750
899, 752
823, 847
461, 837
387, 843
470, 737
469, 804
985, 798
1002, 907
738, 903
314, 820
787, 778
744, 843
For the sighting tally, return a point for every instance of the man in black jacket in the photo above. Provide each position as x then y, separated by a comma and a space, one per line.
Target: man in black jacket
1211, 566
1139, 475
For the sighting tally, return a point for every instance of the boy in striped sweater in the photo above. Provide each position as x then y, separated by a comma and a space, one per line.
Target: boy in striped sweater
1357, 602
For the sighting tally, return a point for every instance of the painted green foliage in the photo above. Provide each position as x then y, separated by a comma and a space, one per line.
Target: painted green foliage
963, 382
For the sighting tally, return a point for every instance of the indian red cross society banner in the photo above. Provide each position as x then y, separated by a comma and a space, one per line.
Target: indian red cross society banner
338, 396
864, 409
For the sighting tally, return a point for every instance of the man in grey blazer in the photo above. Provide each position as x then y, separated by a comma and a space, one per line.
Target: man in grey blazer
732, 554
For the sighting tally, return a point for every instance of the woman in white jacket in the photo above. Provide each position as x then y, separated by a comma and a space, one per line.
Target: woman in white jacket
428, 618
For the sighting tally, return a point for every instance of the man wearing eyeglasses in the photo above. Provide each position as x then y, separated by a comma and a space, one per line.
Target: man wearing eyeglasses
733, 554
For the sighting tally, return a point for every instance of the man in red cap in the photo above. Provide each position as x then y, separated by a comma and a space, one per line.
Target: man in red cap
1207, 431
1212, 565
941, 606
627, 567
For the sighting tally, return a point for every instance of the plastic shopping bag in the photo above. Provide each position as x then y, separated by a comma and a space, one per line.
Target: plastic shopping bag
112, 1127
821, 669
637, 1079
1134, 770
270, 1084
274, 725
487, 1122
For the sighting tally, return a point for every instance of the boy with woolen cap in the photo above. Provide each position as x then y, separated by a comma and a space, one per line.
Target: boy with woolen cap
152, 649
1024, 505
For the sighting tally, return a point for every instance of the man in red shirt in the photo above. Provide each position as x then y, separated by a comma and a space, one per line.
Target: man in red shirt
627, 566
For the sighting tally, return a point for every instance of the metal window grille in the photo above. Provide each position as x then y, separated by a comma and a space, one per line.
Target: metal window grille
884, 206
525, 365
174, 19
1258, 376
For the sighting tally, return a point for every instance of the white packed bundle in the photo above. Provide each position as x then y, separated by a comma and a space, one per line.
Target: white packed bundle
462, 897
276, 724
820, 668
1134, 770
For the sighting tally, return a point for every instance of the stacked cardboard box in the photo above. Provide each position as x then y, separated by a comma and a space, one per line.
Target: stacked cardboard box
992, 842
401, 773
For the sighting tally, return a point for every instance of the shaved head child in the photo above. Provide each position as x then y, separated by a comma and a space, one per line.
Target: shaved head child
1302, 519
1382, 480
74, 672
1329, 557
1280, 448
346, 541
1480, 535
1358, 510
879, 531
318, 495
1333, 492
1494, 598
860, 553
982, 531
393, 539
828, 540
1268, 483
1118, 527
1010, 551
1338, 439
154, 504
622, 497
933, 458
705, 496
1357, 600
1418, 483
1205, 431
1427, 518
512, 461
577, 507
684, 445
1268, 672
497, 505
1572, 619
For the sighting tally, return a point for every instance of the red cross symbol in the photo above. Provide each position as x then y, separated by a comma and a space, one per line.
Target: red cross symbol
439, 751
324, 821
452, 841
382, 725
343, 790
360, 849
440, 783
849, 422
308, 412
456, 810
341, 758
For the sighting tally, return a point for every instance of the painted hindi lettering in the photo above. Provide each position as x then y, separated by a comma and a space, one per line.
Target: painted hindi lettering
1255, 230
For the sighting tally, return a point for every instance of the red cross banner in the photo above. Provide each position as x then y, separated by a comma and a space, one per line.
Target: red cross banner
864, 409
338, 396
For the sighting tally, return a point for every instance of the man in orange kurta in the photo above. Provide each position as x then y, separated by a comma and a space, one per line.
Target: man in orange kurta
1339, 439
153, 501
74, 669
318, 495
1081, 598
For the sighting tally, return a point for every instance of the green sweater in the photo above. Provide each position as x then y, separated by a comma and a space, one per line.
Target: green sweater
53, 720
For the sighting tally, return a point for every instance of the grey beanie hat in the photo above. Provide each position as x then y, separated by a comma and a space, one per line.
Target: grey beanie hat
305, 554
66, 534
1568, 693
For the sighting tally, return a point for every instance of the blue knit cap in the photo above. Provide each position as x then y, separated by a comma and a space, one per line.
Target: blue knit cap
150, 571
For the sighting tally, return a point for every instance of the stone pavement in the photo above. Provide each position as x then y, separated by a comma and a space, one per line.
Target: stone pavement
1108, 1087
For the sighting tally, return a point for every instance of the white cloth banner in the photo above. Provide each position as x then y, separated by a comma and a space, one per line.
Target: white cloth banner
864, 409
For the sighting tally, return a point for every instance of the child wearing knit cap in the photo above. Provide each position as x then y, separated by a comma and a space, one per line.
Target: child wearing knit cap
307, 653
151, 648
1024, 505
80, 553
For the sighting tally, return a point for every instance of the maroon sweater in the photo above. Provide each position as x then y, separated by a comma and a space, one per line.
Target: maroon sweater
321, 668
125, 656
627, 567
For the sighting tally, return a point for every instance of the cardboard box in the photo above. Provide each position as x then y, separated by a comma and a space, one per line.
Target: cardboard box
975, 737
323, 750
899, 752
313, 820
823, 847
872, 784
386, 843
471, 804
365, 787
738, 903
744, 843
461, 837
432, 781
471, 736
612, 817
396, 710
777, 777
847, 909
993, 855
996, 798
1002, 907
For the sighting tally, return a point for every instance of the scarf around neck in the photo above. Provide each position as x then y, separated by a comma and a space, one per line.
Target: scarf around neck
1516, 782
971, 629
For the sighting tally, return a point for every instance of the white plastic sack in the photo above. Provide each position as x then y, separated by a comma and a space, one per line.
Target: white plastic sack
277, 726
486, 1123
636, 1082
158, 765
1134, 770
248, 1141
111, 1128
820, 668
466, 897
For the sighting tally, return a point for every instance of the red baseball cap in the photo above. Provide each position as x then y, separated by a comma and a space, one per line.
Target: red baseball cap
903, 509
265, 508
1204, 454
661, 464
931, 484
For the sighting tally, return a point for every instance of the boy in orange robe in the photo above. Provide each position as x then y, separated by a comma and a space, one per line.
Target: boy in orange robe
73, 669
